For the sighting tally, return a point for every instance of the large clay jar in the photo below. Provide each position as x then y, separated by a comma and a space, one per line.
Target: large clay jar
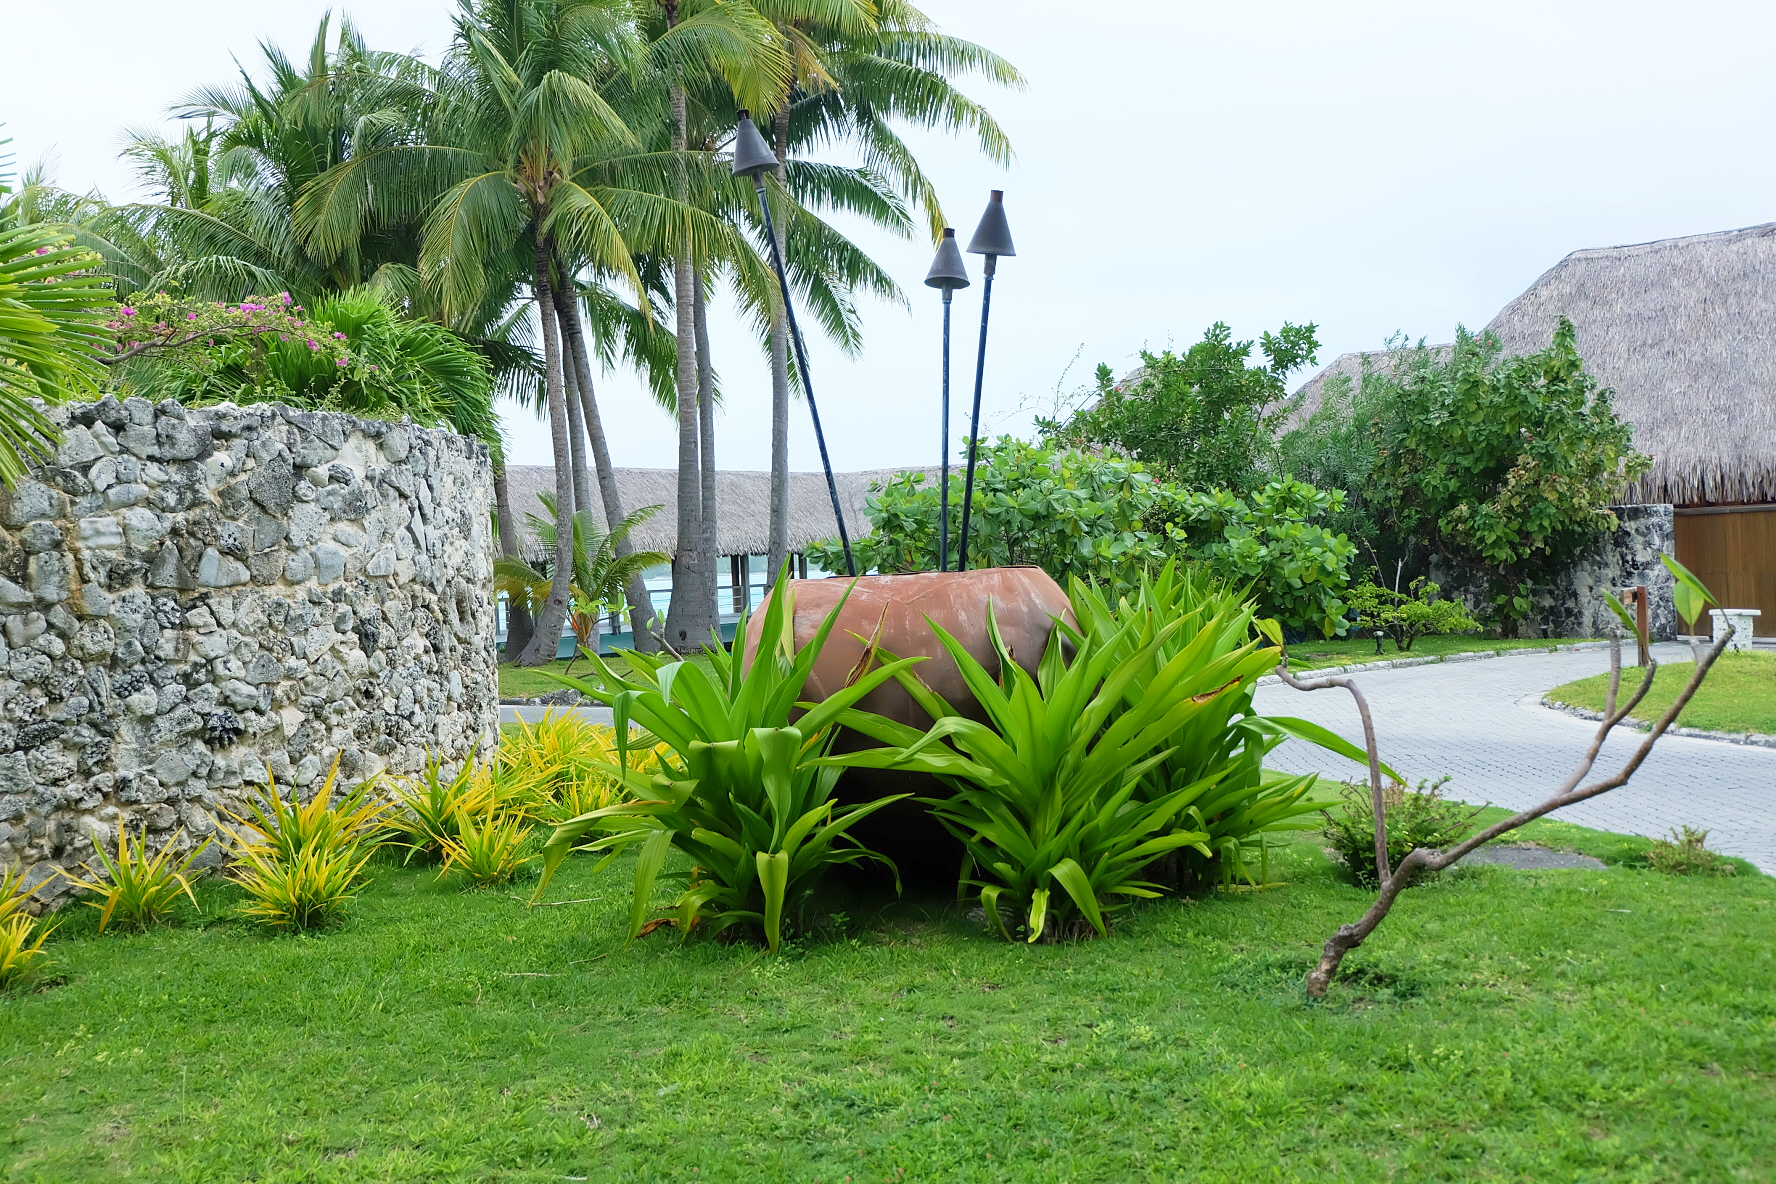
894, 611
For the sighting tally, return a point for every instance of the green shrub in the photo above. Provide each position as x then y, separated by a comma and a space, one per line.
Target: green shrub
301, 863
743, 794
487, 848
1415, 818
1224, 744
1686, 854
1407, 616
138, 890
21, 939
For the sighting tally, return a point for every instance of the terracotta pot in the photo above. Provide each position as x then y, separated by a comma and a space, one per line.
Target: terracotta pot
893, 609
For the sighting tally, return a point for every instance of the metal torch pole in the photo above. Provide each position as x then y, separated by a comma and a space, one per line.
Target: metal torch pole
943, 518
795, 336
980, 370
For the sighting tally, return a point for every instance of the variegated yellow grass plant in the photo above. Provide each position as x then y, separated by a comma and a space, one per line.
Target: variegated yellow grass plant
21, 934
565, 761
301, 863
427, 807
137, 890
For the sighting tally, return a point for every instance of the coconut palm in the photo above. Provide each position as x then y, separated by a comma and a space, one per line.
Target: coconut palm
53, 314
860, 70
598, 576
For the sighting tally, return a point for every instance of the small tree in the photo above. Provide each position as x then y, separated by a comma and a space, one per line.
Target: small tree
1204, 420
599, 573
1407, 616
1394, 878
1505, 467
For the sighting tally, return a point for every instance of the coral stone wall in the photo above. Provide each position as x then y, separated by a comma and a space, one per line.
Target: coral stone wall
1625, 557
189, 597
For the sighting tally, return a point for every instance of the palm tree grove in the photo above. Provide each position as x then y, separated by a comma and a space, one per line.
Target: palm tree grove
565, 613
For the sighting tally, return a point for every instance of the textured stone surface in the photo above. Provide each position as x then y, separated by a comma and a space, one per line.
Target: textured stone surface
1625, 557
189, 597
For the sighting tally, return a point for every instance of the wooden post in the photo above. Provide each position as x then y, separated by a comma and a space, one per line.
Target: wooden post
1637, 596
738, 568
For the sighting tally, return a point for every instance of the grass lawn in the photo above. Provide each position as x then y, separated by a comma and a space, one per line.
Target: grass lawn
1347, 651
1738, 696
1613, 1025
527, 682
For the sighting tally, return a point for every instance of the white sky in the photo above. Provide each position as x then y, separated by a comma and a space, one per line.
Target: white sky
1371, 166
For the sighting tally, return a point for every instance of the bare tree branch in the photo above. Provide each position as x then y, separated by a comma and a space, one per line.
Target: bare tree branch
1572, 790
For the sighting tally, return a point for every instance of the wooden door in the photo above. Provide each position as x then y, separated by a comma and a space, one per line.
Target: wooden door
1732, 549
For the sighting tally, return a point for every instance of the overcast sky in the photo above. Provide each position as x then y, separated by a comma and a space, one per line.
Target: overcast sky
1372, 167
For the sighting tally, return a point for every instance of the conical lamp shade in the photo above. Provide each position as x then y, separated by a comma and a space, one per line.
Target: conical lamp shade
947, 270
993, 235
752, 156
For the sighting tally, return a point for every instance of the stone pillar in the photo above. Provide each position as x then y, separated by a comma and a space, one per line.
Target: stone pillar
1743, 621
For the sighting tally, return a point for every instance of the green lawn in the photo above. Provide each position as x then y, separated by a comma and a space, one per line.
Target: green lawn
1346, 651
1527, 1026
1739, 694
527, 682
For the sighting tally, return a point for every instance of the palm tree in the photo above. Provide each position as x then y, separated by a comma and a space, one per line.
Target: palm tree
600, 572
854, 81
700, 40
53, 314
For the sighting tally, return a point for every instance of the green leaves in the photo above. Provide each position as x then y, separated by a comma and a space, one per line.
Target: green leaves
1690, 596
746, 797
53, 316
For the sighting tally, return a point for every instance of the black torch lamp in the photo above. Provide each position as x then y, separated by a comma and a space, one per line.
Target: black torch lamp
754, 158
992, 238
947, 273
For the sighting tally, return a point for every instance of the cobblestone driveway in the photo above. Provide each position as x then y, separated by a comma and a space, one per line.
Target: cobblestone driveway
1480, 722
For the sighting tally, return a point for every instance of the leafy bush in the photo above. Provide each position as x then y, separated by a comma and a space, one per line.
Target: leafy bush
301, 864
564, 759
1221, 747
1407, 616
1044, 799
1415, 818
1687, 854
743, 794
353, 351
1106, 520
1205, 420
138, 890
21, 941
1298, 571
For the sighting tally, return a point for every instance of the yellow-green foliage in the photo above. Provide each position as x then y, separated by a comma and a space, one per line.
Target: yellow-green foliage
426, 808
138, 890
487, 848
302, 863
19, 953
562, 762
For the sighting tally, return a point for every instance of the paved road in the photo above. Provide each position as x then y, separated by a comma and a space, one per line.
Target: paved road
1480, 722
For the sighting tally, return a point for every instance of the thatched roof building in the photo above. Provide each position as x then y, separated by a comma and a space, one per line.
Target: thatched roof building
742, 504
1684, 331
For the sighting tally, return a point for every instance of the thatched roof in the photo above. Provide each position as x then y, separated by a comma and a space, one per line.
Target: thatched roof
1684, 330
742, 504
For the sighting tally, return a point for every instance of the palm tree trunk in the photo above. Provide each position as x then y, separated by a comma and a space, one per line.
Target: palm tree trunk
642, 624
778, 552
547, 639
706, 442
519, 626
688, 622
576, 439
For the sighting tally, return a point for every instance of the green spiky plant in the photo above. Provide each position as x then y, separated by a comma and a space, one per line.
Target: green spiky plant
1225, 742
21, 939
138, 890
744, 792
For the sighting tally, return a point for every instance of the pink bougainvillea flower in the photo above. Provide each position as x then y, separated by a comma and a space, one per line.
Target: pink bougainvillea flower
128, 311
191, 316
340, 362
313, 344
284, 296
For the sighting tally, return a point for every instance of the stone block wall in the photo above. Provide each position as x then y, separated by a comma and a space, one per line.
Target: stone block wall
1625, 557
190, 597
